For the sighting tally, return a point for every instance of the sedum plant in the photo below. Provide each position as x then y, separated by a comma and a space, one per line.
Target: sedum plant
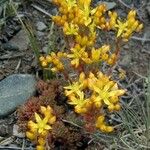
38, 130
93, 90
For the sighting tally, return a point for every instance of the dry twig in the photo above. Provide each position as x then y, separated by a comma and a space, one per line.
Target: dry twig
41, 10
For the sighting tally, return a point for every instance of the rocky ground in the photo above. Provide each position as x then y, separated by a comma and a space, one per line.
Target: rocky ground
17, 57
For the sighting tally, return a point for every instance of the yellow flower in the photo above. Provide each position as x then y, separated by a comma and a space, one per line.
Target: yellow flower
112, 21
102, 126
122, 74
70, 29
73, 88
127, 27
40, 147
105, 89
131, 14
122, 27
41, 141
48, 58
100, 121
48, 113
41, 58
79, 102
78, 54
55, 59
83, 80
95, 54
85, 7
30, 135
100, 54
40, 124
70, 4
43, 61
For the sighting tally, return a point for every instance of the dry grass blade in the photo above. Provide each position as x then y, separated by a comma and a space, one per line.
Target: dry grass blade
7, 141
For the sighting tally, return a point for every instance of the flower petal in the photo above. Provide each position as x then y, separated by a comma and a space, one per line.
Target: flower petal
37, 117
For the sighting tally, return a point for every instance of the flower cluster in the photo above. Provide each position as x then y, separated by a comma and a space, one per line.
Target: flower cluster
126, 28
55, 59
102, 125
39, 129
92, 91
77, 13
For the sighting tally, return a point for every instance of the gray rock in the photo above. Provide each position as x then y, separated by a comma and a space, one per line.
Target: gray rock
40, 34
9, 46
110, 5
45, 49
20, 40
54, 11
41, 26
17, 132
14, 91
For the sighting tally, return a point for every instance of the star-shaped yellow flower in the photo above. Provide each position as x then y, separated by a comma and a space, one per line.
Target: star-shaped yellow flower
73, 88
105, 89
77, 55
40, 125
70, 29
71, 3
122, 27
79, 101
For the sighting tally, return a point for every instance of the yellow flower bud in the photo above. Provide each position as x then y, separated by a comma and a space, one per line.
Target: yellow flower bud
53, 54
100, 119
112, 59
88, 104
60, 54
30, 135
111, 107
54, 69
52, 120
109, 129
105, 57
135, 25
60, 66
95, 54
138, 29
102, 20
42, 58
103, 127
102, 26
130, 22
105, 48
131, 14
117, 107
40, 147
84, 40
80, 110
49, 59
78, 38
82, 77
114, 99
64, 17
71, 16
44, 63
56, 61
98, 104
41, 141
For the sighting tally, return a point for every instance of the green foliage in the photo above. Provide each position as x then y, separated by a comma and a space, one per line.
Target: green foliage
6, 10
